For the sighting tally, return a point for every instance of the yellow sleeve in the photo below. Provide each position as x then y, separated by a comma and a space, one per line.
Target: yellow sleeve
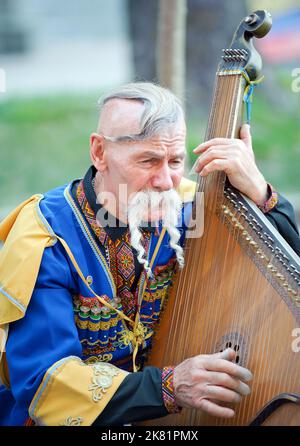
74, 393
26, 236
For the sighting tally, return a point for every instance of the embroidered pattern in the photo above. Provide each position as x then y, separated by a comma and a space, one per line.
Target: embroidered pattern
103, 334
272, 200
107, 357
119, 255
168, 390
102, 379
72, 421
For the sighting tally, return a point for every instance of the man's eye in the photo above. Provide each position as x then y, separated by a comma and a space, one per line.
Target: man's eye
150, 161
177, 161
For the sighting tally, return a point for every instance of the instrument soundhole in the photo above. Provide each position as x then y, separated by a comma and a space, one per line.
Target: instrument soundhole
235, 348
237, 342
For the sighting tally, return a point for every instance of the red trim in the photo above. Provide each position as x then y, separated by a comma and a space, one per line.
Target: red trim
29, 422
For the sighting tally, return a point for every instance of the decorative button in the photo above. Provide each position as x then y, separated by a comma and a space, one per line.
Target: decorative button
89, 280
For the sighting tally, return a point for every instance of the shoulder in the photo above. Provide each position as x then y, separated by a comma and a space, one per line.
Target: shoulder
54, 203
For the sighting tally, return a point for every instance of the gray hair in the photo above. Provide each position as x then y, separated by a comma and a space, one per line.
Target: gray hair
162, 108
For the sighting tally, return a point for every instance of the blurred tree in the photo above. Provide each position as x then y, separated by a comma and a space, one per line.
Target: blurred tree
210, 26
143, 29
171, 45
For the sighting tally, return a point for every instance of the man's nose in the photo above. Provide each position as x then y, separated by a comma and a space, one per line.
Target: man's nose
162, 180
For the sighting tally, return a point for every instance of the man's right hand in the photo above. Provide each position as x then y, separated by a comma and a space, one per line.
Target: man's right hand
204, 382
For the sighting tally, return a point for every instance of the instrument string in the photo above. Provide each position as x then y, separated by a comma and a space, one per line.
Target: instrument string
209, 331
212, 195
268, 354
216, 300
238, 278
179, 342
231, 105
188, 307
201, 285
260, 355
230, 102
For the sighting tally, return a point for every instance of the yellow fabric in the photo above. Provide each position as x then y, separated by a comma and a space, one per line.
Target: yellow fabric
75, 393
25, 238
187, 189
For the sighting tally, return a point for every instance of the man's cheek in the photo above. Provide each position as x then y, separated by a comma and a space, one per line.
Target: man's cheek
177, 178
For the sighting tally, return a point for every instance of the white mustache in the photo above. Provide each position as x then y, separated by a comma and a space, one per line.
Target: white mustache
170, 203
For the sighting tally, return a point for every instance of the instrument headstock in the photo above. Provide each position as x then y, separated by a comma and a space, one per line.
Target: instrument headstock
242, 53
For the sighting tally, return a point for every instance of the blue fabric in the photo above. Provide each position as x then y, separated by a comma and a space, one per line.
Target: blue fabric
48, 333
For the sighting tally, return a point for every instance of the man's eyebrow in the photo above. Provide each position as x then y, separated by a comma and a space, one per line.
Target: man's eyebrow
155, 154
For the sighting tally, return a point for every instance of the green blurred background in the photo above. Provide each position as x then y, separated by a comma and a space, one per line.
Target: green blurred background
45, 128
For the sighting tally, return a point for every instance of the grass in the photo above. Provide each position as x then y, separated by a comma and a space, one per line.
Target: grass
44, 142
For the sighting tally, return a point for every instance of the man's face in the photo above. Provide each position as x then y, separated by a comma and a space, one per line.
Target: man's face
154, 164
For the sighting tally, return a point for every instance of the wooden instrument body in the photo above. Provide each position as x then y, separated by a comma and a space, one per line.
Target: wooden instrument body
239, 287
241, 295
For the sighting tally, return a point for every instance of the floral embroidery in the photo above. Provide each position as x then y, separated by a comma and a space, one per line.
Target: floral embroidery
102, 379
107, 357
72, 421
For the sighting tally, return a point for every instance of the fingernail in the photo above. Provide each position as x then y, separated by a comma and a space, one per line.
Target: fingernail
248, 375
245, 390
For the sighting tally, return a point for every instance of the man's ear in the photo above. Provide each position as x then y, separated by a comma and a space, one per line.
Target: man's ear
97, 152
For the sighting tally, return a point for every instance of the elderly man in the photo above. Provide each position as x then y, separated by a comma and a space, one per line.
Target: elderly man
80, 269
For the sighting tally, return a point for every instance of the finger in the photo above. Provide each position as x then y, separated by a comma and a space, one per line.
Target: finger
245, 135
217, 363
215, 410
225, 380
228, 354
214, 152
212, 142
212, 166
222, 394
